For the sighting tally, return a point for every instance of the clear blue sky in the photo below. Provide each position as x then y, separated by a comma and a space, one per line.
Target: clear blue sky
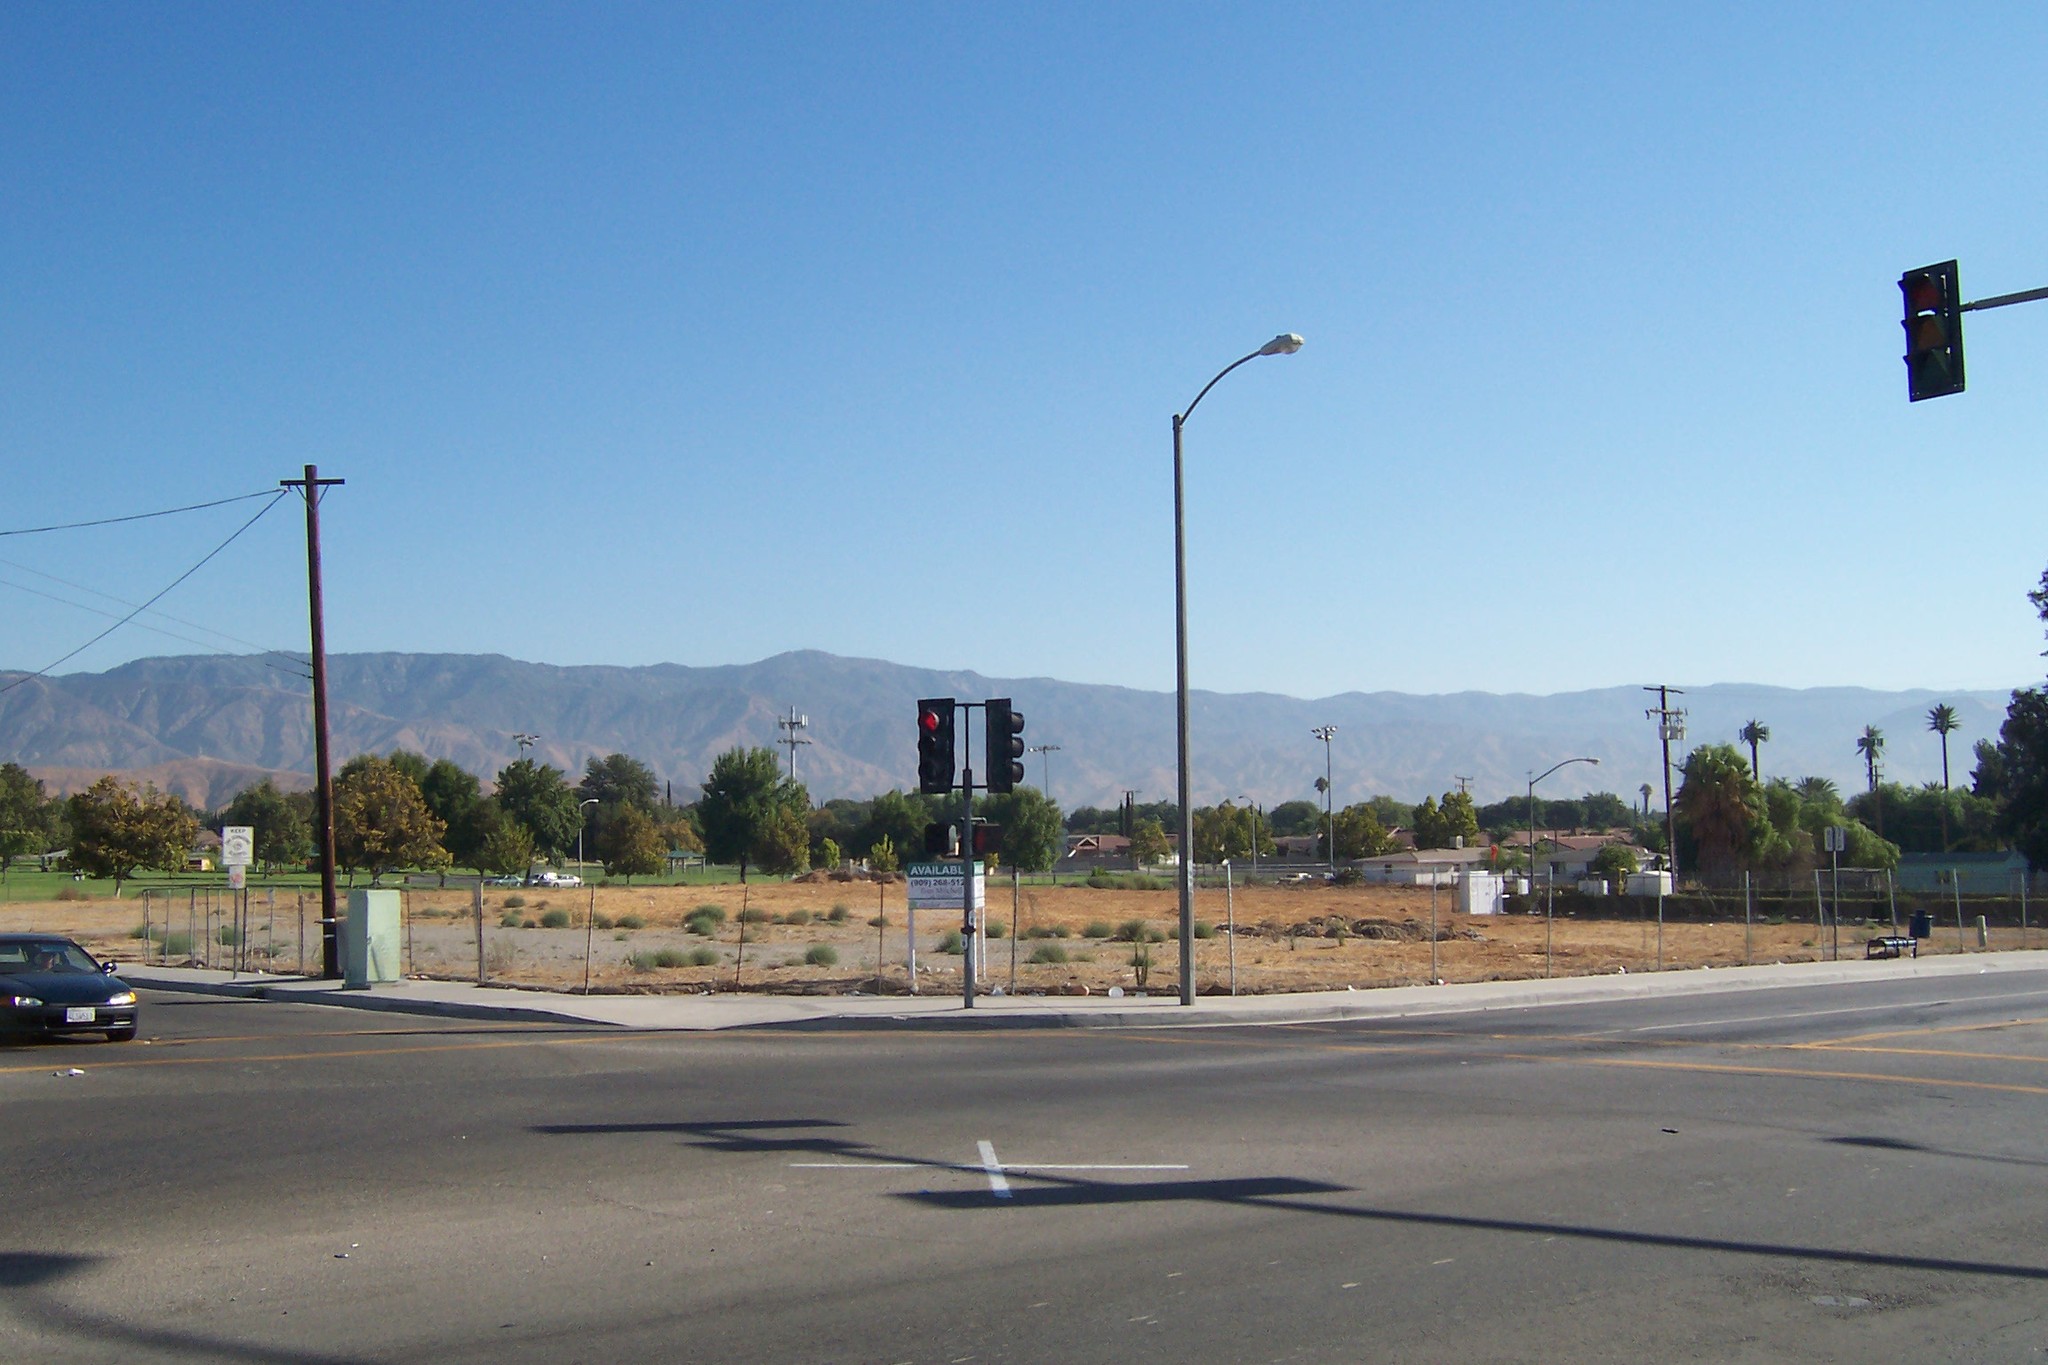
699, 333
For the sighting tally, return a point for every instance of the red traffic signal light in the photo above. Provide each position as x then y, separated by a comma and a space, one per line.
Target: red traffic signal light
935, 764
1934, 331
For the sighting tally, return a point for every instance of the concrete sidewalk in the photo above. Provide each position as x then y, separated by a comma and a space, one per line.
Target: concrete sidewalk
743, 1010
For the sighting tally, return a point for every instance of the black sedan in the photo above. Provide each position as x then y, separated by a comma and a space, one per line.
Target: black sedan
50, 985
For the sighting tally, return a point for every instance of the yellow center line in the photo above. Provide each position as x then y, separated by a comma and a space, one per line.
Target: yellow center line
1921, 1032
1797, 1073
470, 1046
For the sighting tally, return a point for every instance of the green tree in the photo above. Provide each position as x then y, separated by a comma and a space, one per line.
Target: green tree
1721, 807
620, 780
24, 813
283, 824
1032, 830
1942, 720
1392, 813
631, 844
896, 816
751, 814
1615, 862
1753, 734
1431, 829
1294, 817
1460, 817
382, 822
882, 856
1148, 842
542, 801
117, 829
829, 854
493, 842
1360, 833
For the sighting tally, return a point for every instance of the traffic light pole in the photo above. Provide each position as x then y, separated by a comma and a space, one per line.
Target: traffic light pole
967, 935
2001, 300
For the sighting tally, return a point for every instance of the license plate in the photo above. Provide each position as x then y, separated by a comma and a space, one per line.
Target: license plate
79, 1014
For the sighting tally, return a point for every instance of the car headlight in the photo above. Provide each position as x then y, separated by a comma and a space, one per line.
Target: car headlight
23, 1002
121, 998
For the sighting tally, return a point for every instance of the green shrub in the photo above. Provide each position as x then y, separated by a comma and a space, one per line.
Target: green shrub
228, 935
661, 957
528, 923
1048, 952
1097, 928
701, 957
797, 917
839, 914
73, 893
879, 922
630, 921
515, 901
822, 955
177, 945
1204, 929
951, 943
151, 932
509, 920
753, 914
711, 908
996, 928
555, 919
1133, 931
601, 921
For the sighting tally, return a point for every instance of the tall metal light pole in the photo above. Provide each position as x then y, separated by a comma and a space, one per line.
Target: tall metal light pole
1670, 725
1287, 343
1042, 750
1532, 846
323, 772
1326, 733
586, 801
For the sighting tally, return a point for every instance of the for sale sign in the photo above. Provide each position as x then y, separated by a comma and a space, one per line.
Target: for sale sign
936, 886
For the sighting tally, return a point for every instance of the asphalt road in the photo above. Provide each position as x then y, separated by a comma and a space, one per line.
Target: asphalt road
1840, 1173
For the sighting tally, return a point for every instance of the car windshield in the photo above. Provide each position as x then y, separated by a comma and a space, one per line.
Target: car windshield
54, 955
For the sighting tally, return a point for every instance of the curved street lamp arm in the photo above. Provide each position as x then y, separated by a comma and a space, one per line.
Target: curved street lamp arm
1189, 411
1566, 764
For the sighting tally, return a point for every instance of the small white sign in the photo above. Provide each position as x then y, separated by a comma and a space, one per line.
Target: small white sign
238, 878
1837, 840
238, 845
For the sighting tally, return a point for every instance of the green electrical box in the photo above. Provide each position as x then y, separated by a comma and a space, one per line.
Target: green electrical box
369, 939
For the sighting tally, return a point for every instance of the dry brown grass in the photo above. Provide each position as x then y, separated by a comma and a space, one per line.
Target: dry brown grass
1288, 938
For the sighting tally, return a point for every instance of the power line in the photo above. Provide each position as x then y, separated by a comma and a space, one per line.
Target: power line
124, 602
140, 516
275, 498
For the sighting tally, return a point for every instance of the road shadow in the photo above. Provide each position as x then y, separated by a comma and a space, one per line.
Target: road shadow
1885, 1144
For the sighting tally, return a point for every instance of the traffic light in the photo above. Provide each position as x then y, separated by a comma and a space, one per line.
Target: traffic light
1005, 747
987, 839
1934, 331
938, 841
935, 765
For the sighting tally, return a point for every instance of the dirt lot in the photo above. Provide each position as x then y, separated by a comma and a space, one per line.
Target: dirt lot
1288, 938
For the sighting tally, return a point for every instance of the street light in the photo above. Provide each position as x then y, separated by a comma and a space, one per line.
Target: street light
1042, 750
590, 912
1326, 733
1287, 343
1532, 847
587, 801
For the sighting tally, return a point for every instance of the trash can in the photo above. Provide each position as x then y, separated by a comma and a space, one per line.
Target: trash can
369, 939
1922, 925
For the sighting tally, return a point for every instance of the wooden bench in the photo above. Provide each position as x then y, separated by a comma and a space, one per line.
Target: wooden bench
1891, 945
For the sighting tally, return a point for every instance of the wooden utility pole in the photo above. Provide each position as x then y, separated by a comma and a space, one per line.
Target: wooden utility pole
323, 771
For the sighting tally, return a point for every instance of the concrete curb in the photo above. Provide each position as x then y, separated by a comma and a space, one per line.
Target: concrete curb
693, 1013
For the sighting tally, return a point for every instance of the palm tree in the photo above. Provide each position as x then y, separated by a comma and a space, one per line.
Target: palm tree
1753, 734
1818, 791
1942, 720
1870, 744
1645, 789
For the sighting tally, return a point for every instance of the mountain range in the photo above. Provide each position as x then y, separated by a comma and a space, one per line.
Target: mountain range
205, 726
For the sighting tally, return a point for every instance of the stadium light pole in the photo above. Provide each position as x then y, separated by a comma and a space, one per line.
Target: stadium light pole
1287, 343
